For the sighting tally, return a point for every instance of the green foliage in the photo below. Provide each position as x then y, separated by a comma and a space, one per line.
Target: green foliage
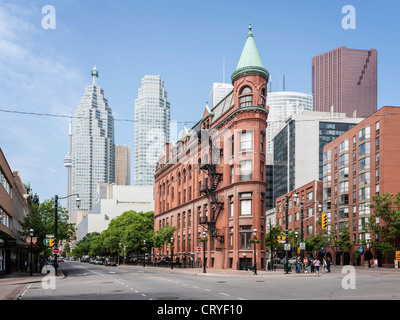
386, 207
42, 220
124, 236
163, 236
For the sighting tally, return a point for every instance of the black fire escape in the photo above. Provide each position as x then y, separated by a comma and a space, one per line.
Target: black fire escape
214, 178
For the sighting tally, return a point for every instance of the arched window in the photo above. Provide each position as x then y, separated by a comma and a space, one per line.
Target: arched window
245, 97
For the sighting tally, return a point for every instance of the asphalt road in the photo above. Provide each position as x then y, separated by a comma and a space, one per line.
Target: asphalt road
85, 281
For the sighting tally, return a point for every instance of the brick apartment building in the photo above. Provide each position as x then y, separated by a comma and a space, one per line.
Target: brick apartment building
360, 163
310, 202
213, 178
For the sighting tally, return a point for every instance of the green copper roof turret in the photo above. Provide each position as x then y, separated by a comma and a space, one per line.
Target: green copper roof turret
250, 61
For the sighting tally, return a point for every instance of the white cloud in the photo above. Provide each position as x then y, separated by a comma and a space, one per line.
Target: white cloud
34, 77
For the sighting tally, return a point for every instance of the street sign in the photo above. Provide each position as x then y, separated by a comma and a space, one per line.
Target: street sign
361, 249
287, 247
302, 246
48, 242
56, 250
199, 249
398, 255
281, 239
49, 235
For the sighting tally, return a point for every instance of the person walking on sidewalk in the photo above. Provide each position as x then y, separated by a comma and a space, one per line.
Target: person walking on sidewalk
316, 265
328, 264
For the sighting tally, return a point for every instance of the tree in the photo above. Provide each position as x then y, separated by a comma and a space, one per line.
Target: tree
41, 220
386, 208
130, 230
83, 247
163, 236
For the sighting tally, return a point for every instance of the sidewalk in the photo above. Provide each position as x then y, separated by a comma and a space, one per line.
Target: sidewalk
13, 285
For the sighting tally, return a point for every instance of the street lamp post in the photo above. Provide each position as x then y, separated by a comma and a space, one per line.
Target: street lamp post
144, 253
172, 253
255, 252
204, 240
56, 198
301, 225
295, 197
31, 264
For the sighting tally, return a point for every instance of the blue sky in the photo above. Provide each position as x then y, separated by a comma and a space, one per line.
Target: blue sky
46, 71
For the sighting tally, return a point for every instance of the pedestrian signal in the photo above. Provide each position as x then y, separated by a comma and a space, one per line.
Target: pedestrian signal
324, 221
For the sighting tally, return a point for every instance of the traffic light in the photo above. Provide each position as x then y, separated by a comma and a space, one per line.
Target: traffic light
324, 221
51, 242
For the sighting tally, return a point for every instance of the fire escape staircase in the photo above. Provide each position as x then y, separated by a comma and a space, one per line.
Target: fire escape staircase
216, 205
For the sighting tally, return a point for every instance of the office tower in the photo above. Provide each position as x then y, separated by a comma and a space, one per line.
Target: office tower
93, 155
152, 131
347, 80
281, 105
122, 165
298, 147
218, 92
68, 165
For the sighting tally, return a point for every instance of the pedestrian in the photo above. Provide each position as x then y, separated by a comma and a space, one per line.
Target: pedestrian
41, 264
316, 265
311, 263
305, 261
298, 264
25, 266
328, 264
324, 265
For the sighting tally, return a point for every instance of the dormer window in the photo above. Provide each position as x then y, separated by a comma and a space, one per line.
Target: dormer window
246, 97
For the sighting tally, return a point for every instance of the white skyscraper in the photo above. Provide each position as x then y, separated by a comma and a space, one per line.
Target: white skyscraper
218, 92
93, 156
283, 104
152, 128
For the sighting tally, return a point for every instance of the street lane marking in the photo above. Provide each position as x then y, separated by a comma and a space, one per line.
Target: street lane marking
224, 294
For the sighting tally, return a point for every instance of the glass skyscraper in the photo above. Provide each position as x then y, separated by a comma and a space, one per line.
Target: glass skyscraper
152, 128
93, 155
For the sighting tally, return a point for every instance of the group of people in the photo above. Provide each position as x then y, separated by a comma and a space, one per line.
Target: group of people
313, 265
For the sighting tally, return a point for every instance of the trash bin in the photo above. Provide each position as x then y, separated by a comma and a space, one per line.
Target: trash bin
396, 264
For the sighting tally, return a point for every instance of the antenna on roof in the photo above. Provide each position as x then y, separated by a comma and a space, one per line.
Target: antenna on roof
223, 69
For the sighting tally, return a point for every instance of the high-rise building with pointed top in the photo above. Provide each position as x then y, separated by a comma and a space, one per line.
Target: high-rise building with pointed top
152, 128
93, 155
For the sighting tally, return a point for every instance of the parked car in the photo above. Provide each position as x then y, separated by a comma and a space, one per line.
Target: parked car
98, 261
60, 259
84, 259
110, 262
91, 260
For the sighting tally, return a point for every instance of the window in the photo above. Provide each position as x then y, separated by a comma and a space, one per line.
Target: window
231, 174
364, 149
246, 97
344, 146
363, 134
262, 142
246, 140
364, 164
245, 236
246, 170
245, 203
232, 143
231, 208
